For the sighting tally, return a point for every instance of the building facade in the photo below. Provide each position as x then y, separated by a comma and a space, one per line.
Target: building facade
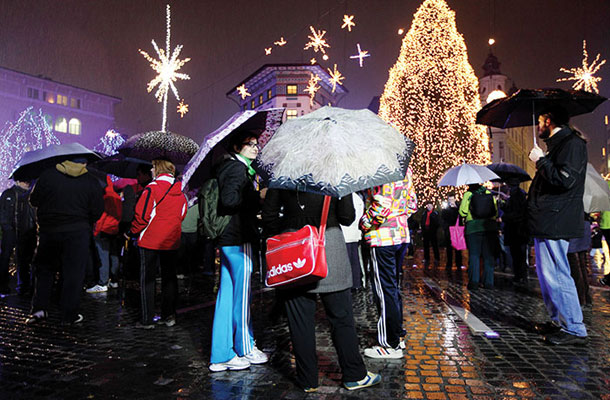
285, 85
75, 114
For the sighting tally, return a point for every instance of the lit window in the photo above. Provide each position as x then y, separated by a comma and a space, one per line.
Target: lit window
252, 104
48, 97
61, 124
269, 95
260, 99
33, 93
74, 126
62, 100
291, 89
245, 107
290, 114
74, 103
48, 119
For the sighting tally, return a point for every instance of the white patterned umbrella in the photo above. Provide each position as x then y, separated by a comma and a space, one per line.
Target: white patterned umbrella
156, 144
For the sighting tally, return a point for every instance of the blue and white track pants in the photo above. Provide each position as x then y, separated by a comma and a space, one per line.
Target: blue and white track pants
232, 329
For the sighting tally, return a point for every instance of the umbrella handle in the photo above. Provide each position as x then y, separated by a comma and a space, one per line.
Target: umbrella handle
534, 123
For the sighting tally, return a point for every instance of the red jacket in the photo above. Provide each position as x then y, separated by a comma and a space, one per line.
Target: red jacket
113, 209
159, 214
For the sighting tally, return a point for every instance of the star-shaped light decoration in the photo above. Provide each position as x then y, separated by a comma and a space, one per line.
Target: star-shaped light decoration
280, 42
312, 87
362, 54
183, 108
348, 22
584, 76
166, 67
243, 91
316, 40
313, 61
335, 77
267, 51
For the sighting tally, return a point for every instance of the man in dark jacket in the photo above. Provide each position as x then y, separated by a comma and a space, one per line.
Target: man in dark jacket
429, 229
555, 215
515, 229
449, 217
18, 222
68, 200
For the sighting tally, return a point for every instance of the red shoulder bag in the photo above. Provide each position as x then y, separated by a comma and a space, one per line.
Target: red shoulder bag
298, 258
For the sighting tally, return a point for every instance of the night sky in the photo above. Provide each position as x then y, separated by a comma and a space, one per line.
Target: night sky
94, 44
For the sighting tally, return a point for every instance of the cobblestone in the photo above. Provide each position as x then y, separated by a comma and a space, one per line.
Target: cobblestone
107, 358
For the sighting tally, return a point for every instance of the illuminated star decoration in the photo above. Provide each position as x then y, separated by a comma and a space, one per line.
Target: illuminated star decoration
313, 61
243, 91
335, 77
182, 108
348, 22
312, 87
583, 76
267, 51
317, 41
280, 42
362, 54
166, 67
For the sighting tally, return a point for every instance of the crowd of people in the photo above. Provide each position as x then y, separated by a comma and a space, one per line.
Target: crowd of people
76, 226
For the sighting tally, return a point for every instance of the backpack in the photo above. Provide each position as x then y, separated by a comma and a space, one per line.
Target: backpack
482, 206
211, 224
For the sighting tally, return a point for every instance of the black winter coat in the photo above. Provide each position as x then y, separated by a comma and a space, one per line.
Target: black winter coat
239, 199
515, 218
555, 206
15, 211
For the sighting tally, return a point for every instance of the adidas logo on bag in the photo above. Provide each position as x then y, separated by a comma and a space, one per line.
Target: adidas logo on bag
283, 268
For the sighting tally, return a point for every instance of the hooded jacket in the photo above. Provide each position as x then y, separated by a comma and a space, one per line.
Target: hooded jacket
15, 211
555, 206
67, 198
159, 214
113, 207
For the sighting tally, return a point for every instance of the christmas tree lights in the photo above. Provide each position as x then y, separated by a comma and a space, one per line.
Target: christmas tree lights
166, 68
31, 131
109, 143
432, 97
583, 76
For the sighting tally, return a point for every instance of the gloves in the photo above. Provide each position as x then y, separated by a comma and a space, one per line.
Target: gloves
536, 153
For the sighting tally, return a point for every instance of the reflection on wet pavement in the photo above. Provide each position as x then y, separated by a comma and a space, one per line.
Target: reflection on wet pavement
106, 357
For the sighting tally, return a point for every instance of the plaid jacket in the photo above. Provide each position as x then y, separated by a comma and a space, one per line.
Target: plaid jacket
386, 211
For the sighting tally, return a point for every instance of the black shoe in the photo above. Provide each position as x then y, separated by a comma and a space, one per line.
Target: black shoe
36, 317
473, 286
546, 328
605, 281
562, 338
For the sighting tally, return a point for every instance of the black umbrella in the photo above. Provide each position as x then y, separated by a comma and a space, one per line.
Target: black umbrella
522, 108
121, 166
508, 171
156, 144
31, 165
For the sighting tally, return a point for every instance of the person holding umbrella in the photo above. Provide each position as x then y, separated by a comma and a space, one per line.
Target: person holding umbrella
233, 346
556, 209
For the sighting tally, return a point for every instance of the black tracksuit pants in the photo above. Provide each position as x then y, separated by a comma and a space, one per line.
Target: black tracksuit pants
67, 251
301, 309
149, 264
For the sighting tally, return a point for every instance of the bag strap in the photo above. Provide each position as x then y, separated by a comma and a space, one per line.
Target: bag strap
457, 220
325, 209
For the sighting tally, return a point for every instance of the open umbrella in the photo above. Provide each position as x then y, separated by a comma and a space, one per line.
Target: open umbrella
156, 144
215, 145
31, 165
467, 174
508, 171
334, 151
121, 166
597, 193
523, 107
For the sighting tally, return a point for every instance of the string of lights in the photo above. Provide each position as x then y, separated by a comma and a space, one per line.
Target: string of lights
432, 97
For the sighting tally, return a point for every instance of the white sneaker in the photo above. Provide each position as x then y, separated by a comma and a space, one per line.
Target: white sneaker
402, 344
383, 352
97, 289
257, 357
113, 285
235, 364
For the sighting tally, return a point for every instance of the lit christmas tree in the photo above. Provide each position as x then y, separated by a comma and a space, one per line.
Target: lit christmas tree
31, 131
432, 97
109, 143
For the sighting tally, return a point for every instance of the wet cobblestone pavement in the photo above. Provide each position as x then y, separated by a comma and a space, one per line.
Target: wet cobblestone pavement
108, 358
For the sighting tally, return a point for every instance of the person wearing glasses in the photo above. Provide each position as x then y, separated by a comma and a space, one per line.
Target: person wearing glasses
233, 346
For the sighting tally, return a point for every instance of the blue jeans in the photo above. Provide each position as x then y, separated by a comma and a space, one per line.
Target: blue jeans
109, 257
557, 286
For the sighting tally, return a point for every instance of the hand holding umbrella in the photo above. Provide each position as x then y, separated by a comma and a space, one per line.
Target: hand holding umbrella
536, 153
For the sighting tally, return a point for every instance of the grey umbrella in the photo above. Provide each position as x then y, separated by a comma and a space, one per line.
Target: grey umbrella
597, 194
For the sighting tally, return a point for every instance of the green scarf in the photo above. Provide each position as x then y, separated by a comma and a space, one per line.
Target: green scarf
248, 162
